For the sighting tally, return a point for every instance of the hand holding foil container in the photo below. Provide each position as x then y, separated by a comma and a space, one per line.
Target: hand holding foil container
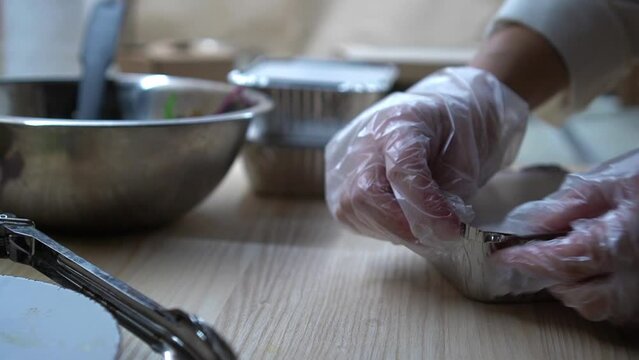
313, 99
284, 155
467, 263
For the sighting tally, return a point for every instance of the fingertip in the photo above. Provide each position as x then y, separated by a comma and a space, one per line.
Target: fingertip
450, 227
576, 257
536, 258
556, 212
515, 256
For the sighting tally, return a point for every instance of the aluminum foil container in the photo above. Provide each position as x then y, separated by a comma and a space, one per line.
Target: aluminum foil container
285, 169
313, 100
466, 266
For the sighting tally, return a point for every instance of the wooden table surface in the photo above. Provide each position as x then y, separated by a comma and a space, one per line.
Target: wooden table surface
280, 279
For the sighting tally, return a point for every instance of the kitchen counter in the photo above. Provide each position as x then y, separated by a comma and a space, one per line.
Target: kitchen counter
280, 279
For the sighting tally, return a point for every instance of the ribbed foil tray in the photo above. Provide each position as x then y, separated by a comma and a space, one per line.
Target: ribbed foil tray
313, 99
285, 169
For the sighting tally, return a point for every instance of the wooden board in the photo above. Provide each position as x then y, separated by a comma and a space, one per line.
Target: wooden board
281, 280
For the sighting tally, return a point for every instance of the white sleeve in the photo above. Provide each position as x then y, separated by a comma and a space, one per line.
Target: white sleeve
597, 39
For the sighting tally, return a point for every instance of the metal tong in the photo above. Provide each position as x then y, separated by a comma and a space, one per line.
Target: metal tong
171, 332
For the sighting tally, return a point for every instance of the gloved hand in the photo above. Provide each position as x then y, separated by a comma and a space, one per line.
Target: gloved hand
595, 268
403, 169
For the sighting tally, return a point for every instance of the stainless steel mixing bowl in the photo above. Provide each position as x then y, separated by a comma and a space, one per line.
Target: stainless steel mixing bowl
133, 169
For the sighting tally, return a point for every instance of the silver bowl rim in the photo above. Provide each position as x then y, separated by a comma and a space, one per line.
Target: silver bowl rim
262, 105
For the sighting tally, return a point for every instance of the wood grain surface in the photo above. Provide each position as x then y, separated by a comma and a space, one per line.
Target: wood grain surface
281, 280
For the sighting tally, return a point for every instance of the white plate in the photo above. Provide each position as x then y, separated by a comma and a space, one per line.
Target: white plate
43, 321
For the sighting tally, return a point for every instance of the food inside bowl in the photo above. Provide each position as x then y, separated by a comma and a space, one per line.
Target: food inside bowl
234, 101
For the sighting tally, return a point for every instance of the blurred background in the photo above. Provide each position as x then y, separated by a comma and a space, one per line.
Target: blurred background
207, 38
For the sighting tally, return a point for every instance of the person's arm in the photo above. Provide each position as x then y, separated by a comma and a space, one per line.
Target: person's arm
584, 46
539, 47
525, 61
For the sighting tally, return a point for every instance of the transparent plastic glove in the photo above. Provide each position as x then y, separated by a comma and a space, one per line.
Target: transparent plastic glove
403, 169
595, 269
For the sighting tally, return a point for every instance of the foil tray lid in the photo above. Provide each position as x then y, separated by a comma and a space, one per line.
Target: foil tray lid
336, 75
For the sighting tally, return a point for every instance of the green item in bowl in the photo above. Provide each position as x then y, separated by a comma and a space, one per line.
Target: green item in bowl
169, 107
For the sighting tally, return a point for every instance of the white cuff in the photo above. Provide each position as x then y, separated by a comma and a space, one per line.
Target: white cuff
588, 34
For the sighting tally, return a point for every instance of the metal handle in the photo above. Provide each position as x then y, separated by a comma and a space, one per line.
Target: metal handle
173, 333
